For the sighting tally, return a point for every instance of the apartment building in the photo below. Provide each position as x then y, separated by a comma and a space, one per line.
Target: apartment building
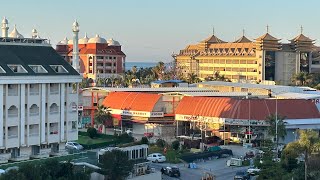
39, 98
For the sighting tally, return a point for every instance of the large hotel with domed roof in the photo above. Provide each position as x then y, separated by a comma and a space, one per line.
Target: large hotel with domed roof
98, 57
264, 59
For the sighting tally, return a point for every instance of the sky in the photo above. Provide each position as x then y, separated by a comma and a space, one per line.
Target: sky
151, 30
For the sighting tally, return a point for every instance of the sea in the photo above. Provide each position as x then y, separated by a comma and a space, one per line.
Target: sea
139, 65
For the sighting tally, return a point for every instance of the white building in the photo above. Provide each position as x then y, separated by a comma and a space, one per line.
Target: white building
40, 98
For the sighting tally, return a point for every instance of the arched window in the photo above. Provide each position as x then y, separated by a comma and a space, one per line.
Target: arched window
34, 110
13, 111
54, 108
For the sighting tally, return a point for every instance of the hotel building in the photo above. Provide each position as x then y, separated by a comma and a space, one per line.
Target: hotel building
99, 58
264, 59
39, 98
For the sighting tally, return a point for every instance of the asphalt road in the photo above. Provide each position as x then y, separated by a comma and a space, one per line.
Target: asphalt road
215, 167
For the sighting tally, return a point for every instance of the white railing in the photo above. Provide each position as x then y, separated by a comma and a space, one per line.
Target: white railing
54, 111
34, 113
54, 91
32, 93
13, 93
13, 114
33, 134
12, 136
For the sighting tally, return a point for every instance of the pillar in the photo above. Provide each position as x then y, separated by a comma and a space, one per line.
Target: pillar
1, 115
62, 108
22, 113
43, 110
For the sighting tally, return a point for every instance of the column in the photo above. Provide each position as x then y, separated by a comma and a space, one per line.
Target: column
62, 116
22, 113
43, 110
1, 115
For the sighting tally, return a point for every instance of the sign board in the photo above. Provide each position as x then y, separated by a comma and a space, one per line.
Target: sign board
137, 113
74, 108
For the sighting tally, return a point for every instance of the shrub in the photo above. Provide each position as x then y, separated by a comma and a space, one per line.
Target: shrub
144, 140
175, 145
125, 138
92, 132
161, 143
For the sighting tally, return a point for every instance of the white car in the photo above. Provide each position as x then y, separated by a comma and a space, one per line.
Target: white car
156, 157
73, 146
253, 170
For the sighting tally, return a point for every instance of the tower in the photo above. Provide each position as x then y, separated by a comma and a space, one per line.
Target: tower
4, 27
75, 53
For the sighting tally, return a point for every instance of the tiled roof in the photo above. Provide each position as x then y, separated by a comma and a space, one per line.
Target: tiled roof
243, 39
212, 39
131, 101
302, 37
239, 108
267, 37
32, 55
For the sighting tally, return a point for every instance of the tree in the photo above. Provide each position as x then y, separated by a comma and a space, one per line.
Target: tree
116, 165
160, 143
192, 78
175, 145
308, 143
144, 140
302, 78
282, 132
84, 83
92, 132
102, 115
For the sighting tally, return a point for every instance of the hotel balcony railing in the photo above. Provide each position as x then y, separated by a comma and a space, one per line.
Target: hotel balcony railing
54, 91
33, 134
13, 114
12, 136
13, 93
34, 93
34, 113
54, 111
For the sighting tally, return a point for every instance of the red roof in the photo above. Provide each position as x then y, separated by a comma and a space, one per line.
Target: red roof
239, 108
131, 101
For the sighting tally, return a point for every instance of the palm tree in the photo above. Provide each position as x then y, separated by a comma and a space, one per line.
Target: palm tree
102, 115
282, 132
192, 78
308, 143
302, 78
158, 70
84, 83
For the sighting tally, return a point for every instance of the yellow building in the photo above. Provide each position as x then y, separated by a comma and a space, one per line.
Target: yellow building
264, 59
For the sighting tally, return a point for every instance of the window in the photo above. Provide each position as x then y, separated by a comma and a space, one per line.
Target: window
38, 69
58, 68
17, 68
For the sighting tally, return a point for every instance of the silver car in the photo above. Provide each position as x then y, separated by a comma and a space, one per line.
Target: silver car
73, 146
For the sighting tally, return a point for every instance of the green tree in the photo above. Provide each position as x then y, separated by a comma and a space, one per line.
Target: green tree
84, 83
175, 145
144, 140
302, 78
193, 78
92, 132
116, 165
102, 115
160, 143
308, 143
281, 127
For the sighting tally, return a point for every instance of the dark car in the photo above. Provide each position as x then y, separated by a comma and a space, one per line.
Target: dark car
242, 175
172, 171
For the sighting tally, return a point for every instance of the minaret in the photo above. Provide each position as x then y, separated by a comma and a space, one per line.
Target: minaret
4, 27
75, 53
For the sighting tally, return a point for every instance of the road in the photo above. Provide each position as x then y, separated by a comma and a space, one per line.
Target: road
216, 167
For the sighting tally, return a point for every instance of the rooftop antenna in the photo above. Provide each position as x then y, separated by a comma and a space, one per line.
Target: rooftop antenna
212, 30
243, 31
267, 28
301, 29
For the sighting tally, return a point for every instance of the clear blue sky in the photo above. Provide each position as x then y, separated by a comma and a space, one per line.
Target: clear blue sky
150, 30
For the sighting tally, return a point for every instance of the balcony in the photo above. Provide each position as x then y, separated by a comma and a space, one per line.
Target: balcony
72, 135
13, 141
33, 139
53, 138
44, 153
34, 118
4, 157
22, 157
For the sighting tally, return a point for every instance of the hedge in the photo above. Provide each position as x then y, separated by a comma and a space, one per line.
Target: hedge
82, 133
191, 157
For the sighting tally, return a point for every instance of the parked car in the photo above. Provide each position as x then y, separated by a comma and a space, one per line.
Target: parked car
172, 171
73, 146
253, 170
156, 157
242, 175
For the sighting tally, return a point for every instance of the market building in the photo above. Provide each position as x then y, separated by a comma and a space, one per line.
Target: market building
144, 113
40, 98
264, 59
242, 118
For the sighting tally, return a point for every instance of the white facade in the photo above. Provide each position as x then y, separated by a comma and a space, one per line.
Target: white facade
38, 116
